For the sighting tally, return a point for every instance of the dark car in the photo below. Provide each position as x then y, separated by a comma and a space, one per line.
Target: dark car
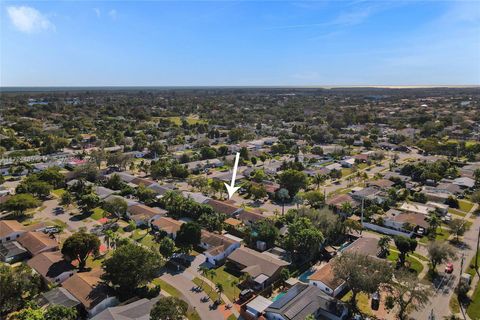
245, 294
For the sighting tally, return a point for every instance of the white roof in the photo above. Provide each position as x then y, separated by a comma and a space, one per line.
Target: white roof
416, 207
259, 304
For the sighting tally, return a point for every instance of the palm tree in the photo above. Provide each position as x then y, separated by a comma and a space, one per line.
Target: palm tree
347, 208
234, 283
434, 223
318, 179
219, 288
204, 271
283, 195
383, 244
108, 237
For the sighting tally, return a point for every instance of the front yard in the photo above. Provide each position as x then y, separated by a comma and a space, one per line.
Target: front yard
225, 278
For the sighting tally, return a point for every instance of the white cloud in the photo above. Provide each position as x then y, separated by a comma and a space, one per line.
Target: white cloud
28, 19
113, 14
97, 12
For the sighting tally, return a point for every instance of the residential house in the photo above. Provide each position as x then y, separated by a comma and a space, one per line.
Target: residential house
399, 220
464, 182
416, 207
144, 215
103, 192
168, 225
137, 310
12, 251
249, 217
369, 193
218, 247
337, 202
382, 184
37, 242
52, 267
196, 196
225, 207
58, 297
303, 300
348, 162
365, 245
88, 288
263, 268
10, 230
256, 307
324, 278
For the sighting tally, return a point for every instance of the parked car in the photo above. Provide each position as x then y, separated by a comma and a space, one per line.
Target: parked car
420, 231
449, 267
51, 230
245, 294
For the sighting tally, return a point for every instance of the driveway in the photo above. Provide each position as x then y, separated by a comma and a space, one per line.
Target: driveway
185, 285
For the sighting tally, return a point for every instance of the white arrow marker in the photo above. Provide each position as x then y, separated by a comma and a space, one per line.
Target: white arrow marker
231, 188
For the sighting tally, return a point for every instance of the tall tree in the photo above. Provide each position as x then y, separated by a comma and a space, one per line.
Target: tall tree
169, 308
361, 273
130, 267
188, 235
79, 246
18, 286
404, 245
458, 227
439, 252
408, 293
19, 203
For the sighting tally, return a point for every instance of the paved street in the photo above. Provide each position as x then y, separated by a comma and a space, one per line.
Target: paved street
184, 285
441, 297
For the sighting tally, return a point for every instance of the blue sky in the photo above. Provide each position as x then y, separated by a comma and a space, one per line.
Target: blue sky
180, 43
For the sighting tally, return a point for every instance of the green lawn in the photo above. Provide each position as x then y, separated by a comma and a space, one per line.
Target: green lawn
363, 302
58, 192
193, 315
473, 309
226, 279
465, 205
457, 212
190, 120
414, 263
442, 235
471, 266
346, 172
143, 237
206, 288
167, 287
97, 213
58, 222
454, 305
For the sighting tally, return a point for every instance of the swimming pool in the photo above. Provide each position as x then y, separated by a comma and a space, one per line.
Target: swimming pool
278, 296
304, 276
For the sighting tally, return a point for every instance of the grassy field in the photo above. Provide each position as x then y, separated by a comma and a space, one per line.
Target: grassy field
167, 287
465, 205
58, 192
190, 120
454, 305
144, 238
415, 265
457, 212
442, 235
474, 308
207, 289
363, 302
226, 279
97, 213
193, 315
471, 266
